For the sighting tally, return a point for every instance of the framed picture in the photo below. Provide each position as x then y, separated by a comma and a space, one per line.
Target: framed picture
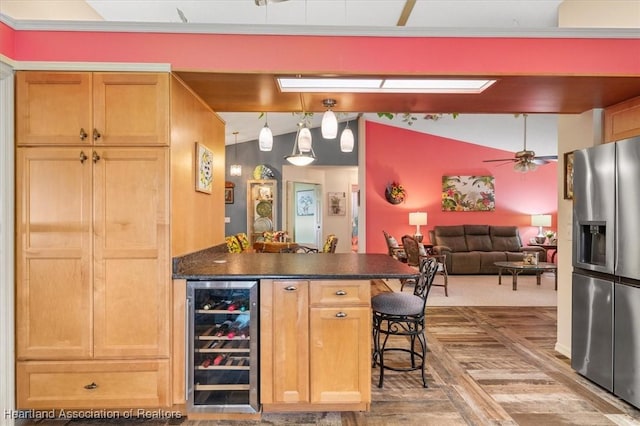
204, 168
337, 203
306, 202
468, 194
228, 192
568, 175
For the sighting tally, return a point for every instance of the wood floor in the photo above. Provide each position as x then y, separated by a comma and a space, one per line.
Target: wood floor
486, 366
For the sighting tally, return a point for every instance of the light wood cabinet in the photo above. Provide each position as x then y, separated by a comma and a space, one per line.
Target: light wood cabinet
622, 121
84, 108
93, 275
315, 345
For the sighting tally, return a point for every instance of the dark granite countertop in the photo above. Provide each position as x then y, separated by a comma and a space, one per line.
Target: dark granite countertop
213, 265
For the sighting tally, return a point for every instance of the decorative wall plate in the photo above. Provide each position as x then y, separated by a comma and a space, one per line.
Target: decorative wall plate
264, 209
262, 224
262, 172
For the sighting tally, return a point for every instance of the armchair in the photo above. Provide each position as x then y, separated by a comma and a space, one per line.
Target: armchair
395, 250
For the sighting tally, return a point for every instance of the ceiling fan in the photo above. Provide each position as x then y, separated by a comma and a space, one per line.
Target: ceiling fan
526, 160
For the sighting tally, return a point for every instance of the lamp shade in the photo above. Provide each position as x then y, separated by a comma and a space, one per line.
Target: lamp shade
418, 218
329, 125
265, 140
304, 140
541, 220
346, 140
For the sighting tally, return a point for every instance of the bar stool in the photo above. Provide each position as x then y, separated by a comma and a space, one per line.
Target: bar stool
403, 314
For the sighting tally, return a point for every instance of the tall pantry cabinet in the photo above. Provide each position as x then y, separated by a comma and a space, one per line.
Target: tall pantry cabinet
92, 240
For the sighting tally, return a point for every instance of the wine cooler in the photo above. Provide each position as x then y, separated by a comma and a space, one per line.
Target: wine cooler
223, 346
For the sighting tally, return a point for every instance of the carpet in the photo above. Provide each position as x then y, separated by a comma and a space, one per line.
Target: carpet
483, 290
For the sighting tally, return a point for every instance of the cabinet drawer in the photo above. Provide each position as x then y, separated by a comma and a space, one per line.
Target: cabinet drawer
104, 384
340, 292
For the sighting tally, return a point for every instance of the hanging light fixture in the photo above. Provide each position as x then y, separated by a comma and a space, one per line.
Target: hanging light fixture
265, 140
235, 169
329, 121
346, 139
299, 157
304, 139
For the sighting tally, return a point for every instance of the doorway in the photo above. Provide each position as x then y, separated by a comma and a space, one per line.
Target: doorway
304, 212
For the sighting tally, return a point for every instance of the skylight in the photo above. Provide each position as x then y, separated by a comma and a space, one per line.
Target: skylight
382, 85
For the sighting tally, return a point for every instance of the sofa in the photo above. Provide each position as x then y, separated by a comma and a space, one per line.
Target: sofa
473, 249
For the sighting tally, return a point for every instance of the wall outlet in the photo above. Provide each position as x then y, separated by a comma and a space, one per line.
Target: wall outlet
227, 220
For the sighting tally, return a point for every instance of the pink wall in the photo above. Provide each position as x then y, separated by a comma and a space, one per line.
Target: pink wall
418, 161
277, 53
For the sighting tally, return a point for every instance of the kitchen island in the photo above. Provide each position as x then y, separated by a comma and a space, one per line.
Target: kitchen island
314, 323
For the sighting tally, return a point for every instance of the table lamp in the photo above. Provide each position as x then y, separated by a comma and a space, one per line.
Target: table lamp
540, 220
417, 219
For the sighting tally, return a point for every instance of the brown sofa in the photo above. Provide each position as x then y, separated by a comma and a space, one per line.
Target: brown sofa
473, 249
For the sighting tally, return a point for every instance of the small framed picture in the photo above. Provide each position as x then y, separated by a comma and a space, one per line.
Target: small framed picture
337, 203
568, 175
228, 192
204, 168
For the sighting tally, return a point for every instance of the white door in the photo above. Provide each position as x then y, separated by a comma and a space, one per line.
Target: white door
305, 212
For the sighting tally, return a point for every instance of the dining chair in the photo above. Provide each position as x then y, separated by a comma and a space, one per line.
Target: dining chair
403, 314
415, 251
394, 249
329, 246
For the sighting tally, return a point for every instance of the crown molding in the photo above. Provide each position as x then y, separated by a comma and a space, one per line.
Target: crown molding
334, 31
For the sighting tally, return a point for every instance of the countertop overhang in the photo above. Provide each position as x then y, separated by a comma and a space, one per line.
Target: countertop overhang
209, 265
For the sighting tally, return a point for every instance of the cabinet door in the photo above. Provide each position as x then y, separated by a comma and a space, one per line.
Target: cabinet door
285, 342
131, 109
340, 355
131, 260
53, 108
53, 251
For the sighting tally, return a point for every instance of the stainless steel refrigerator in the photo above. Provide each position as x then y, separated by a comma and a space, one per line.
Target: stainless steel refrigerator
605, 344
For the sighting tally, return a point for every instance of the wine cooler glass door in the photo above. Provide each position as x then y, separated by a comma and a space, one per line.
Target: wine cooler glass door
223, 362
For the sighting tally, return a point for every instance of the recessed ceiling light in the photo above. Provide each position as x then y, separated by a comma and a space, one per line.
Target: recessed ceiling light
378, 85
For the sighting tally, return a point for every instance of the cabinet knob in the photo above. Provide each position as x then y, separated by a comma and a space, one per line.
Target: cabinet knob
83, 157
83, 134
95, 157
291, 288
341, 293
91, 386
96, 134
341, 315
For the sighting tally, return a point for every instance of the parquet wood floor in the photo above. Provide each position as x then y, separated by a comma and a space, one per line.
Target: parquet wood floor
486, 366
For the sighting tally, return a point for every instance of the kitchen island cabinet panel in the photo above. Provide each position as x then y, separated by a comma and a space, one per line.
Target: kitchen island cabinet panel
315, 352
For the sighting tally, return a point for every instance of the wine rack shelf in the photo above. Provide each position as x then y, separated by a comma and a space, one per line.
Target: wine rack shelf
223, 370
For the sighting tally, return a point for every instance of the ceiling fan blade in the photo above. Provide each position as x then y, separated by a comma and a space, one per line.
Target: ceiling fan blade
547, 157
539, 161
501, 159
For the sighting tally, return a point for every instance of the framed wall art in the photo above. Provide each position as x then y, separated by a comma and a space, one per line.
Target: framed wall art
228, 192
337, 203
568, 175
306, 202
468, 194
204, 168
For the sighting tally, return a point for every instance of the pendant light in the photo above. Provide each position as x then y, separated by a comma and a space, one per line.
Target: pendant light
304, 139
265, 140
329, 121
235, 169
346, 139
299, 157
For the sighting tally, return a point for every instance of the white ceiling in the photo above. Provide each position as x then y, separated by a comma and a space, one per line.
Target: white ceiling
498, 131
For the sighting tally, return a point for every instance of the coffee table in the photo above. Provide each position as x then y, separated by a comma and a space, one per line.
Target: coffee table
516, 268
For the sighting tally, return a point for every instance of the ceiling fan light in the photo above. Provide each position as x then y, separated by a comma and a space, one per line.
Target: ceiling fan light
329, 125
346, 140
265, 140
524, 166
304, 140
